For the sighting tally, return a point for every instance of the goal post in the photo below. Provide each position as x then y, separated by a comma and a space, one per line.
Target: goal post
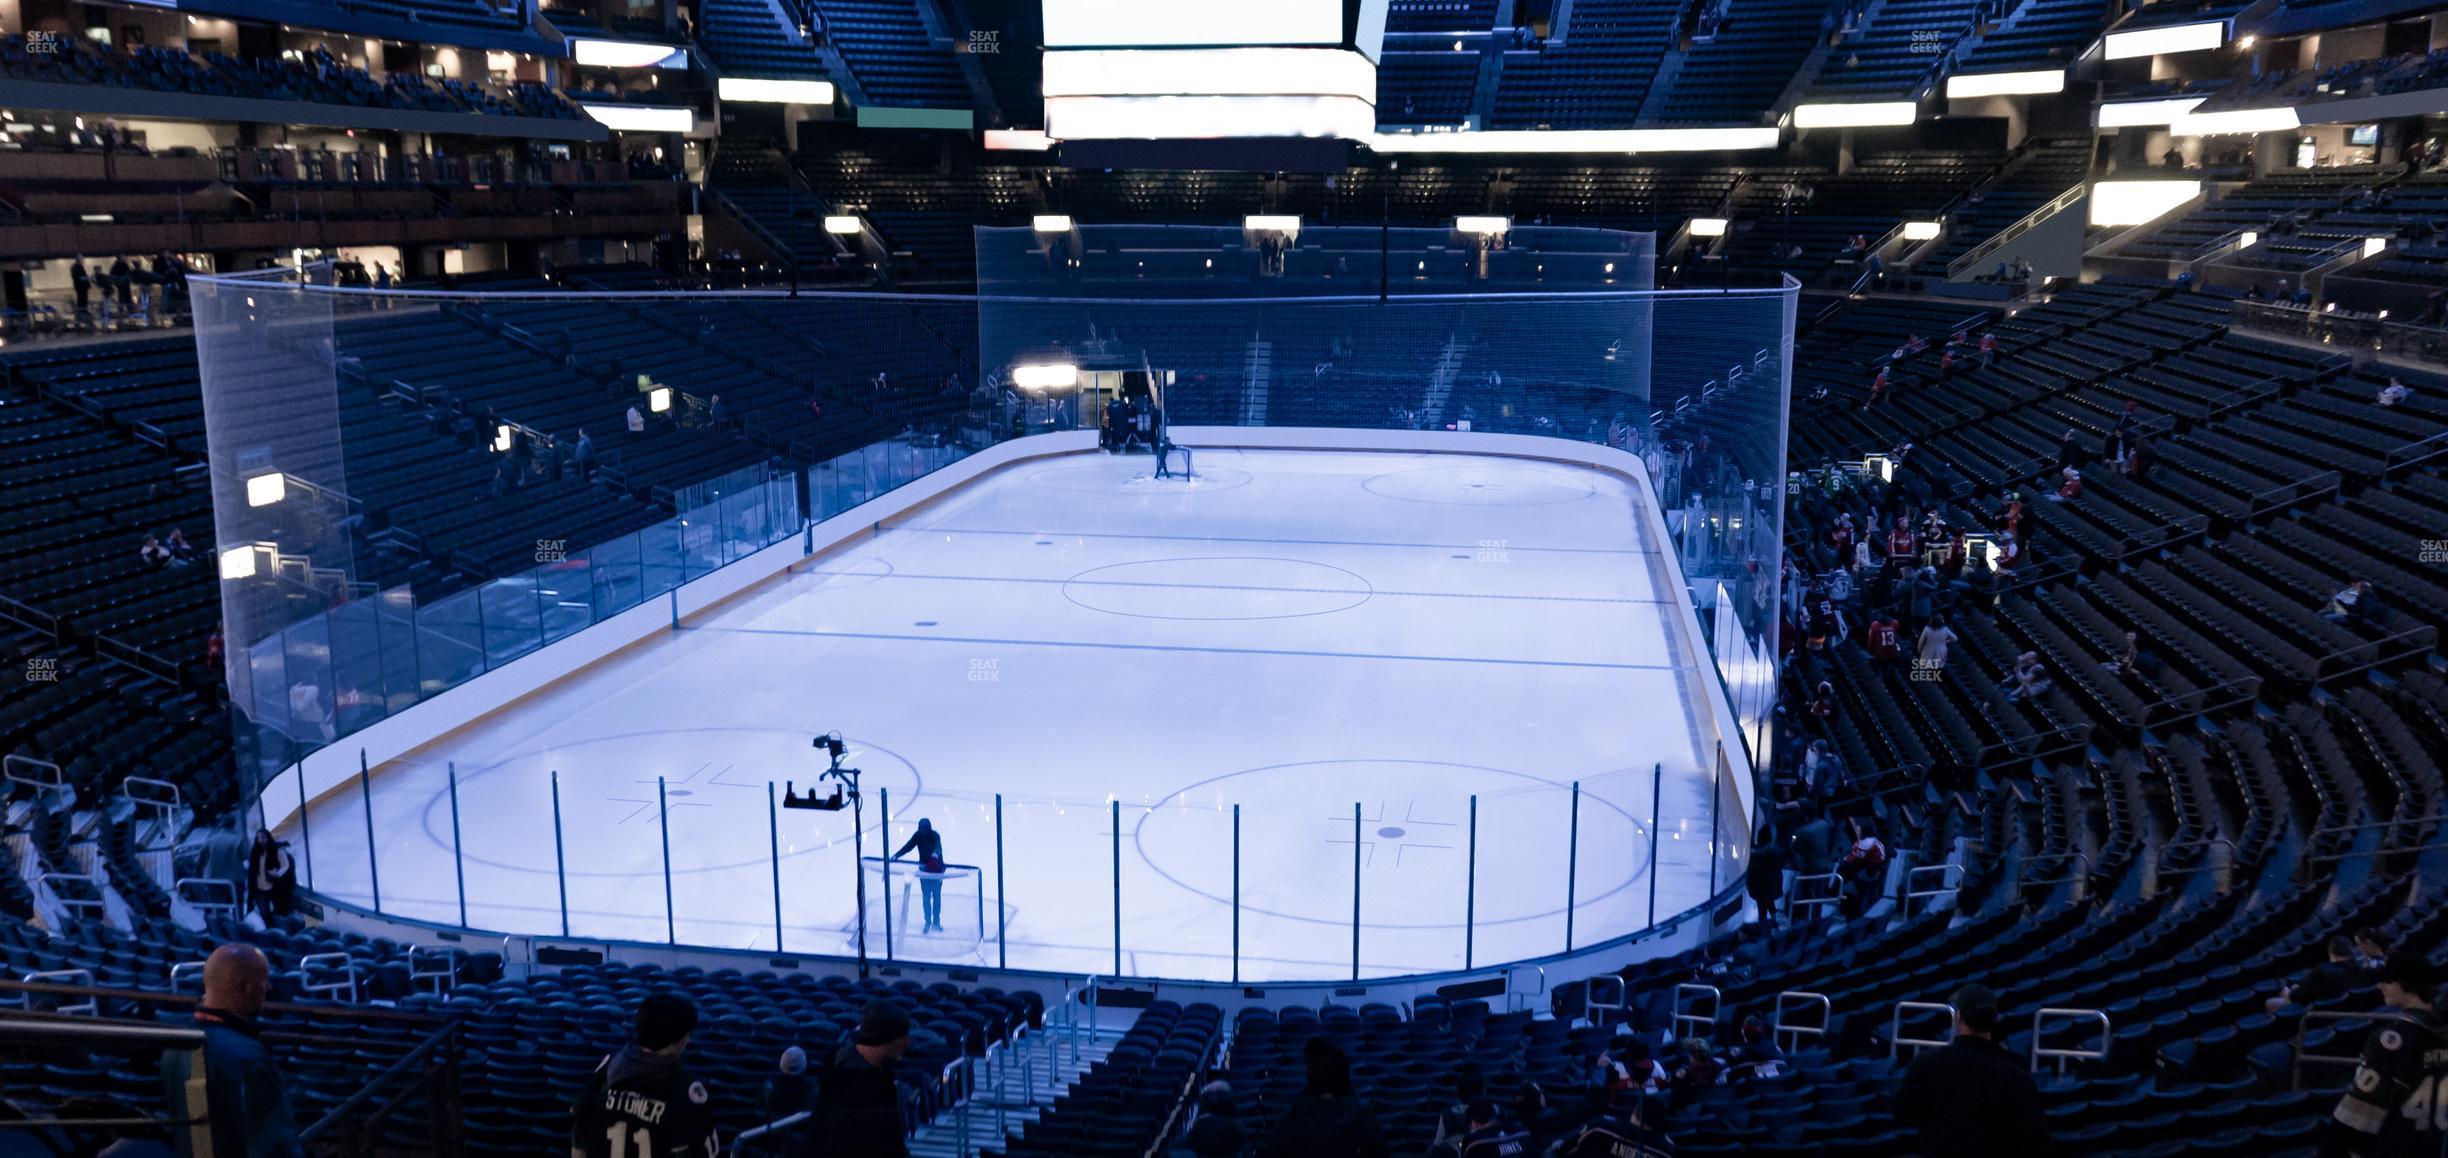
897, 904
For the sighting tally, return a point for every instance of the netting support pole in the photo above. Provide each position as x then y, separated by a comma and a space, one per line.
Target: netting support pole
560, 856
773, 856
365, 793
458, 855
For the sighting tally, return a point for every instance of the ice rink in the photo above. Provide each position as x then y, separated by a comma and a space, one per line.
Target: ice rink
1293, 633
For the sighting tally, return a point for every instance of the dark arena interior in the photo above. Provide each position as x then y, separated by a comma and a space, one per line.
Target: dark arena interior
1297, 578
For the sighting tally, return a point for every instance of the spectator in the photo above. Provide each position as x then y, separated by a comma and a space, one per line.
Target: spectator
2069, 486
1453, 1121
1821, 771
641, 1101
243, 1092
1630, 1066
858, 1105
1764, 877
2351, 605
1215, 1127
637, 421
153, 554
2069, 451
2371, 950
1327, 1120
2331, 979
582, 456
1822, 709
1486, 1136
1696, 1070
1864, 867
1970, 1096
2387, 1108
1758, 1057
1930, 651
2393, 393
1878, 388
182, 552
1620, 1132
2127, 660
2028, 681
81, 282
271, 876
789, 1090
1884, 637
1901, 543
1814, 844
1988, 350
2137, 456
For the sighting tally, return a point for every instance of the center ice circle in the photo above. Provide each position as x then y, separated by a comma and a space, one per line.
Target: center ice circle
1296, 844
1224, 587
1481, 484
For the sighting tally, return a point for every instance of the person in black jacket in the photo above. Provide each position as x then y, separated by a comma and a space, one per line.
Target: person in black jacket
858, 1105
1327, 1120
929, 846
1216, 1131
1971, 1096
641, 1103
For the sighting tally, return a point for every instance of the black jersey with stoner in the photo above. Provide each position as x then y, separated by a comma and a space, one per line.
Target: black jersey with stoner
642, 1105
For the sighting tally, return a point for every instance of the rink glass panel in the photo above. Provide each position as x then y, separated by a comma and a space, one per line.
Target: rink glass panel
382, 568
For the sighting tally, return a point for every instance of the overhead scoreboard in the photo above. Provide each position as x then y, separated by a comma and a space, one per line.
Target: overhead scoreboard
1217, 71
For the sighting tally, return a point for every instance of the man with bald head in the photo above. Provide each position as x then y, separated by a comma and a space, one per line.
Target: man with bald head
250, 1110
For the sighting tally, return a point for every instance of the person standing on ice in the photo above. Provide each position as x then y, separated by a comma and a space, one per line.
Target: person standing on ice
929, 844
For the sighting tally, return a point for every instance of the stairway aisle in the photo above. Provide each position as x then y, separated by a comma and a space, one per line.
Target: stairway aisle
1030, 1084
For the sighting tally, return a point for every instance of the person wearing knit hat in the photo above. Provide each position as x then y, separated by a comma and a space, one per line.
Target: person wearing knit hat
858, 1104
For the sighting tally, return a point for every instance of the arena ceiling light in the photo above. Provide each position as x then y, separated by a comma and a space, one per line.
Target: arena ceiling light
2275, 120
657, 400
641, 118
263, 490
595, 53
1855, 115
843, 225
1920, 230
504, 437
2039, 82
2135, 202
752, 90
1045, 376
1095, 23
2372, 245
1708, 226
1024, 140
2248, 240
1051, 223
1578, 141
2133, 114
1482, 226
240, 562
2165, 40
1284, 223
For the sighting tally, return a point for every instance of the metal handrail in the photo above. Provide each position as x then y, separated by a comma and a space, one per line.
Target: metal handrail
206, 894
433, 1042
79, 978
422, 962
332, 989
1895, 1026
1795, 902
2303, 1028
1799, 999
1513, 996
1623, 993
2064, 1054
1950, 882
2025, 224
28, 770
1683, 1014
